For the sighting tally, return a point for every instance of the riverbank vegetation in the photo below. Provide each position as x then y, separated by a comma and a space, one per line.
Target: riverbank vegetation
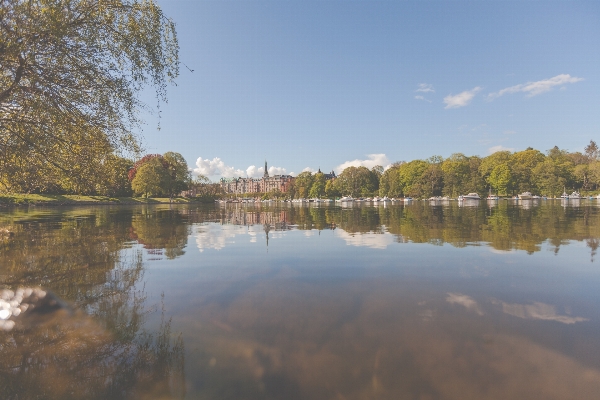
71, 75
74, 199
505, 173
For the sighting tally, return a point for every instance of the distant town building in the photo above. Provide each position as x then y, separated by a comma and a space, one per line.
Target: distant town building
328, 176
257, 185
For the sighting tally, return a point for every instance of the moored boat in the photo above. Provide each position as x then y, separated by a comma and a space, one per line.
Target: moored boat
573, 196
525, 196
470, 196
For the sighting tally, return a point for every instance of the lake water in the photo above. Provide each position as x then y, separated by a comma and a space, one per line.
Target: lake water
477, 301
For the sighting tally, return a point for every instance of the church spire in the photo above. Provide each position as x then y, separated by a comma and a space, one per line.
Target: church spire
266, 174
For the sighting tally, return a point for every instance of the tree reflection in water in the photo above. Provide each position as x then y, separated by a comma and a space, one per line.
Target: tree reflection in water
94, 260
65, 354
97, 348
164, 232
501, 225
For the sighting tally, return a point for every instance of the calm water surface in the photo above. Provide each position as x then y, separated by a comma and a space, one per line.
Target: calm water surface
492, 300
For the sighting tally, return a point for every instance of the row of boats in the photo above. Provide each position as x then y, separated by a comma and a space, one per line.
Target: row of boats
345, 199
523, 196
468, 197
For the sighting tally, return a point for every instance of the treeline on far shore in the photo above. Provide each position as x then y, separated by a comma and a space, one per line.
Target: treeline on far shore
504, 173
106, 179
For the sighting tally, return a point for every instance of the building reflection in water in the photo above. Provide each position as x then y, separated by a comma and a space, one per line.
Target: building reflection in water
362, 302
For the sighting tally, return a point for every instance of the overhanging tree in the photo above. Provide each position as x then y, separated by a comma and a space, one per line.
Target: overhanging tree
179, 175
151, 178
70, 75
171, 180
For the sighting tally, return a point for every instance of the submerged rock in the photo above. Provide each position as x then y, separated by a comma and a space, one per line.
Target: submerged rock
27, 307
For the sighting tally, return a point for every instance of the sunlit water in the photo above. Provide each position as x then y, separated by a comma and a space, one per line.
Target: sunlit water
420, 301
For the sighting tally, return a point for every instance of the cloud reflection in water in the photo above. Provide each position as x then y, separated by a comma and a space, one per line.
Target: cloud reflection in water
465, 301
370, 239
539, 310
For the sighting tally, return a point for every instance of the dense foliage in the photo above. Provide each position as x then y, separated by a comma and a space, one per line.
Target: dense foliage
70, 74
155, 175
504, 172
103, 350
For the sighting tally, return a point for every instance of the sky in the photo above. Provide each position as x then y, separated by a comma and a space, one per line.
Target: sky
328, 84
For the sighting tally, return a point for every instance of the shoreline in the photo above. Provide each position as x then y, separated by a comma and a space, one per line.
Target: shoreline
21, 200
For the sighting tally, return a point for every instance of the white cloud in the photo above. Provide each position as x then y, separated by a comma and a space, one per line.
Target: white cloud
309, 169
216, 237
501, 252
467, 302
422, 98
538, 87
216, 167
373, 160
252, 171
462, 99
277, 171
370, 239
495, 149
425, 88
539, 311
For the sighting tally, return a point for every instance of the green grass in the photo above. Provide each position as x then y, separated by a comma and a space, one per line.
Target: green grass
72, 199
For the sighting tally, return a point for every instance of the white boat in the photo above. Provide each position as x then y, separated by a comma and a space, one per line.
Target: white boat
385, 198
346, 199
470, 196
376, 199
492, 196
525, 196
573, 196
407, 199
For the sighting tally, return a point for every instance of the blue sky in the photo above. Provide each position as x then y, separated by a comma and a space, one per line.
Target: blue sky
309, 84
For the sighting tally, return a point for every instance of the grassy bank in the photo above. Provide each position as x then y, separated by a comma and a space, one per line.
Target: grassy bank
7, 200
